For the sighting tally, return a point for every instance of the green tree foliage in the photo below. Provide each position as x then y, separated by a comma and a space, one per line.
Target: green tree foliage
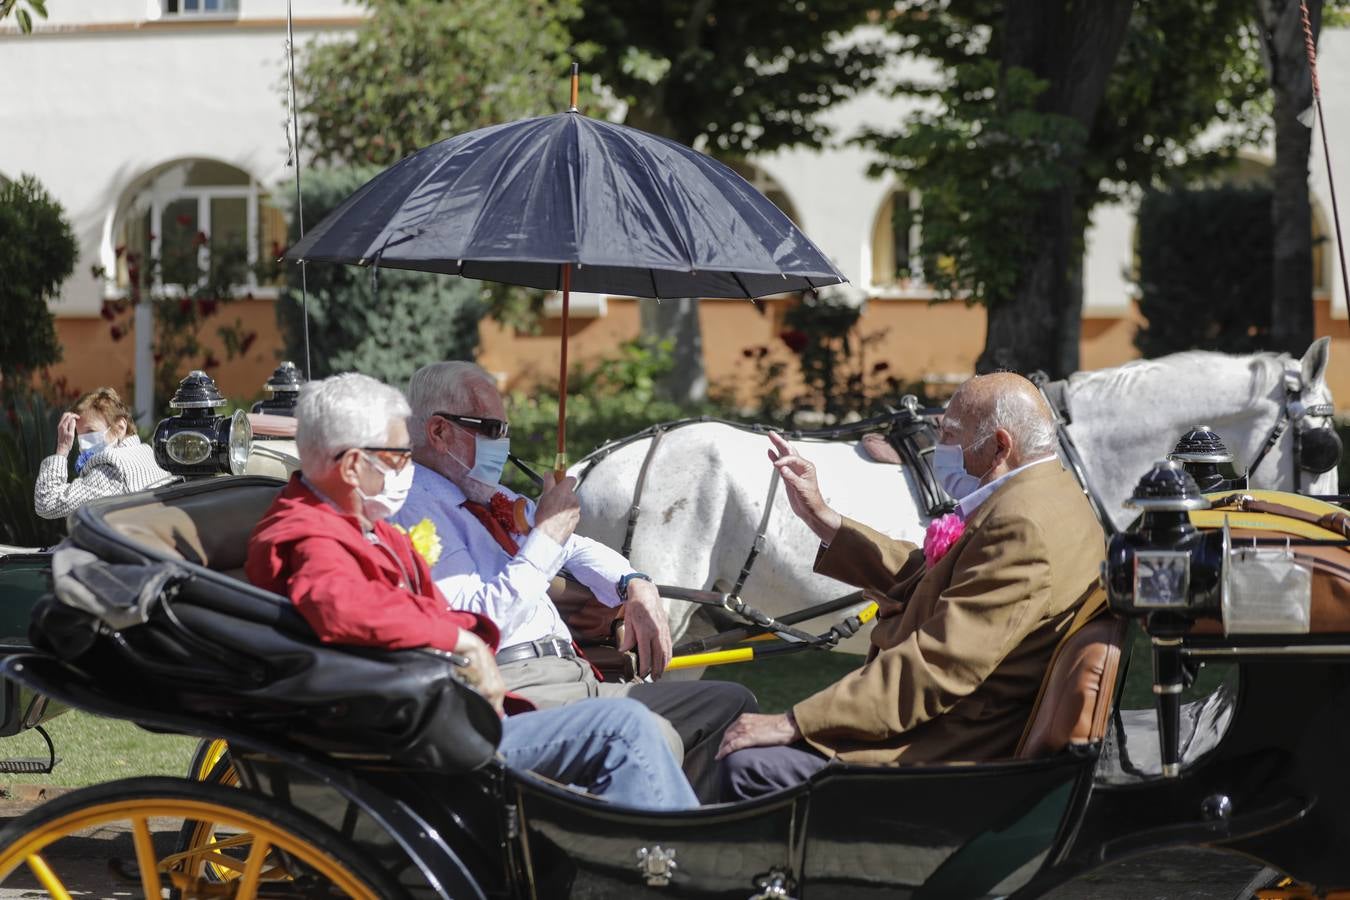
1206, 267
420, 71
738, 78
37, 254
387, 323
24, 13
746, 77
1039, 111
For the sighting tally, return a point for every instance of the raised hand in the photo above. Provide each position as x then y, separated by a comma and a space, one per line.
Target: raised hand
65, 433
558, 511
803, 491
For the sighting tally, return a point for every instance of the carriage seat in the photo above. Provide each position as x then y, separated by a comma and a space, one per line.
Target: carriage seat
209, 528
1074, 705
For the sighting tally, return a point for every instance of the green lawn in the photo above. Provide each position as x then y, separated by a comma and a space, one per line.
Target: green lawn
93, 749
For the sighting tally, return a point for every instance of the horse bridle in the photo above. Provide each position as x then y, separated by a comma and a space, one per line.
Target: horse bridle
1294, 411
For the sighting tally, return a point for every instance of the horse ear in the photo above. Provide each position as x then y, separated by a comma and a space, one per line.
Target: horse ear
1315, 361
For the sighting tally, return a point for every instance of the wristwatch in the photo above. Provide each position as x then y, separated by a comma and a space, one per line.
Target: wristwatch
621, 587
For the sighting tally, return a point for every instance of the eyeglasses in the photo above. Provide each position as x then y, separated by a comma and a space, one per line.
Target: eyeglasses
490, 428
400, 455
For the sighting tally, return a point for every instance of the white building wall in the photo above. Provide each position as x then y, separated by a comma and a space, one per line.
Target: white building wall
108, 90
124, 94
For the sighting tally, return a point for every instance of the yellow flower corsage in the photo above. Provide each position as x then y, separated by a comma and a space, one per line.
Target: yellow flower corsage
425, 540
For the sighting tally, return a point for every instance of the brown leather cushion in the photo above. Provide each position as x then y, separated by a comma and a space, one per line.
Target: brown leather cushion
210, 529
1076, 702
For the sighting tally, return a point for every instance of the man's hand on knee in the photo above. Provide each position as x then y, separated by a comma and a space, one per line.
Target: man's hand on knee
757, 730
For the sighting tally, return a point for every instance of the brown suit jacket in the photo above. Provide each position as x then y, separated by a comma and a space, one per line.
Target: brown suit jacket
958, 652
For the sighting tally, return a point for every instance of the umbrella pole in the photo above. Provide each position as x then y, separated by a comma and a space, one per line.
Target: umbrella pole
560, 461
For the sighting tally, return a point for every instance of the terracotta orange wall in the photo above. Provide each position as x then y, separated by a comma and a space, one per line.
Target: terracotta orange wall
93, 359
917, 340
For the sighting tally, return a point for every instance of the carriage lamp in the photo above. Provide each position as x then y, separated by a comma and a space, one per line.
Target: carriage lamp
197, 442
1164, 564
1204, 455
1166, 572
282, 390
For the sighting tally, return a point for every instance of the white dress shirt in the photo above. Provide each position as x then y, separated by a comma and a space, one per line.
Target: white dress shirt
971, 502
477, 575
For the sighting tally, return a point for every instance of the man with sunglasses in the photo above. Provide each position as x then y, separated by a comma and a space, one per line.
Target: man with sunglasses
358, 581
499, 563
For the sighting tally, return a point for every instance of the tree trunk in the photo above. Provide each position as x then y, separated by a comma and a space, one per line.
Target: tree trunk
1073, 46
1291, 309
677, 321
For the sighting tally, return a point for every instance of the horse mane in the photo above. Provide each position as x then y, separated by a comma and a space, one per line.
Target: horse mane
1144, 375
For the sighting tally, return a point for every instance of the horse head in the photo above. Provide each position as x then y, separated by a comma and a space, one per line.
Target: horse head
1272, 410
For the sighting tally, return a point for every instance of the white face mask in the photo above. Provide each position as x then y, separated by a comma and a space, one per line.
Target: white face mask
489, 461
391, 496
93, 441
949, 465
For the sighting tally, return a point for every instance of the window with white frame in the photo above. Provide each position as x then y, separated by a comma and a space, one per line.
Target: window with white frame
201, 7
896, 261
185, 217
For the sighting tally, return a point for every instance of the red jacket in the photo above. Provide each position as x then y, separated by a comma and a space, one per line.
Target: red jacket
349, 589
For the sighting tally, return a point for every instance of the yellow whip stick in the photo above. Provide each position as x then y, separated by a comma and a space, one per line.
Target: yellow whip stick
749, 654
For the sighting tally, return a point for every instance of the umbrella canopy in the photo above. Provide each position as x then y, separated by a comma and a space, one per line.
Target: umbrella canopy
626, 211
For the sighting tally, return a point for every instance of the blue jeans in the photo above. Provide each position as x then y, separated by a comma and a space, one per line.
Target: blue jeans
611, 747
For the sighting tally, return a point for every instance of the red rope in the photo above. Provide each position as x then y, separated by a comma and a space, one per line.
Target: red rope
1311, 47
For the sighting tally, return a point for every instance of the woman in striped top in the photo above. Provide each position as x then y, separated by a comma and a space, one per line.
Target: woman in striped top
112, 458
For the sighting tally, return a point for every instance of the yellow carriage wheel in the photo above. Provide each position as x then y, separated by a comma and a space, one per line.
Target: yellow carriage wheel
209, 753
197, 833
276, 851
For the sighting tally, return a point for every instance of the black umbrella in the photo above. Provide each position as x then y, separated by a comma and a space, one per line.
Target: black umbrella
567, 202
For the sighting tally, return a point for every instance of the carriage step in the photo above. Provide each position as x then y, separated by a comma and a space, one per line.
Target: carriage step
27, 766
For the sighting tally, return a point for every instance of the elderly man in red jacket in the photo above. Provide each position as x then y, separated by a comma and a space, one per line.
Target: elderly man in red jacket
357, 580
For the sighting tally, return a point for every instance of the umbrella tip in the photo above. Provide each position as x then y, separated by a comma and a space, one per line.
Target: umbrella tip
576, 80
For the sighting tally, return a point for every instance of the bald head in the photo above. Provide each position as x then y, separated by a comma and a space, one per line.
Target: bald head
1002, 422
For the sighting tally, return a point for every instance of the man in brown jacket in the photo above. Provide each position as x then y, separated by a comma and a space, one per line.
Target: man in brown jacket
961, 643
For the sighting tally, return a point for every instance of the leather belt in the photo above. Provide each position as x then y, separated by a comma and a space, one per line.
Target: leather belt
552, 646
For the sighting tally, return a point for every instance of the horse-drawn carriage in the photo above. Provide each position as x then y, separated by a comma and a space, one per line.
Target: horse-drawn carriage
371, 774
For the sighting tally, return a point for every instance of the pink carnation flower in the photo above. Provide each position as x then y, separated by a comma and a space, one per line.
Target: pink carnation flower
942, 533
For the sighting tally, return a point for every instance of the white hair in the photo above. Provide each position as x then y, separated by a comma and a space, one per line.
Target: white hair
442, 387
1025, 417
341, 412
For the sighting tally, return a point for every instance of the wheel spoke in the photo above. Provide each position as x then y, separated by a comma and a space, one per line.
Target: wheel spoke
145, 856
47, 877
248, 882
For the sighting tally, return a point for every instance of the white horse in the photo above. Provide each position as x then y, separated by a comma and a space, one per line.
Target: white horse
707, 484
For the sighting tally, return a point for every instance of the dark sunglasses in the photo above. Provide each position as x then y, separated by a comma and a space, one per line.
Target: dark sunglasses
401, 454
490, 428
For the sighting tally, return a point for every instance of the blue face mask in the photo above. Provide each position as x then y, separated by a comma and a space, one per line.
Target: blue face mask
489, 459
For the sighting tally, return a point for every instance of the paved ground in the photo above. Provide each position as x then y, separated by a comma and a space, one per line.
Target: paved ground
1174, 875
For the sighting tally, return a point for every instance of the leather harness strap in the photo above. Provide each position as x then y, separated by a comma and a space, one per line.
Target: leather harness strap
758, 543
1337, 521
636, 509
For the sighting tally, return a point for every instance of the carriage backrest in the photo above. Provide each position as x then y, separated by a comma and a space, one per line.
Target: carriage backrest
210, 528
1075, 701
